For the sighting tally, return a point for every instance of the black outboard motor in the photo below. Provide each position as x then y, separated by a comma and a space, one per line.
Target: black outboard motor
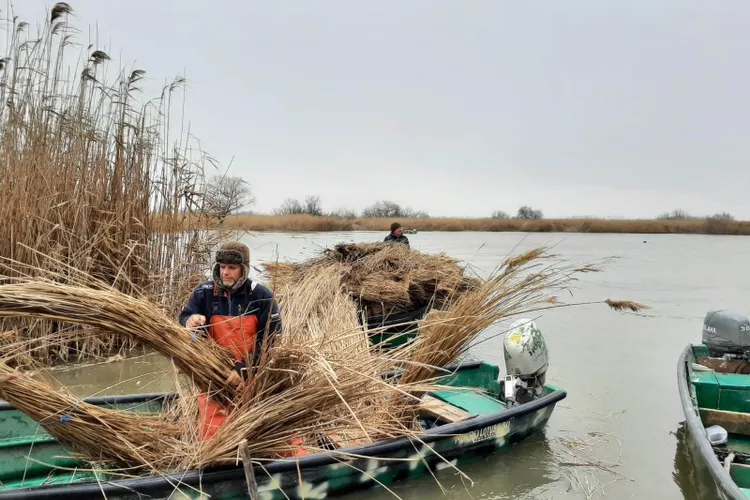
727, 335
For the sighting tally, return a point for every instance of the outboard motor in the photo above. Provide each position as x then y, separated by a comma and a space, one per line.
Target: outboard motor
727, 335
526, 361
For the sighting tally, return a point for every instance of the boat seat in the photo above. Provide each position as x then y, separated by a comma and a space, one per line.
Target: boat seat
471, 402
734, 422
722, 391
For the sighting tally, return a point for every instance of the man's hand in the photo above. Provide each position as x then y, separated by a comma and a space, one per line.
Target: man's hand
195, 321
234, 379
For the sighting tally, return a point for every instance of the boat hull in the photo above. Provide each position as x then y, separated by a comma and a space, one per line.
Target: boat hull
325, 475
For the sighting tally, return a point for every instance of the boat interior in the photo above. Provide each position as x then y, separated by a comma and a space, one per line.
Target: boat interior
721, 389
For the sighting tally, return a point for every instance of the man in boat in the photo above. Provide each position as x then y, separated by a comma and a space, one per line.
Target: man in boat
397, 235
241, 315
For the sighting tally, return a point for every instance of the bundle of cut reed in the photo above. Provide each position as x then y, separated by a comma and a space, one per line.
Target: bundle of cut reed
113, 312
383, 278
320, 318
111, 437
320, 380
324, 398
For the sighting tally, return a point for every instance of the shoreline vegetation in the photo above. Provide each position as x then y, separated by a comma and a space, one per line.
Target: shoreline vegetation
310, 223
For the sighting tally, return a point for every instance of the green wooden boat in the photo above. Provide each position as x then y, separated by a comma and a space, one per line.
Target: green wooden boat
715, 396
460, 426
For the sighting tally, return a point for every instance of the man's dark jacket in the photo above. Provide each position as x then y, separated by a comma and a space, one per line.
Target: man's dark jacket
397, 239
251, 298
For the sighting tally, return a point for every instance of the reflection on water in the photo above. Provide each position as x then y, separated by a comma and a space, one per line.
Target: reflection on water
493, 477
150, 373
684, 471
690, 473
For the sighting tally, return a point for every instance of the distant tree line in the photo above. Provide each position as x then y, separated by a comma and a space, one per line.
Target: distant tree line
226, 195
313, 206
525, 212
680, 214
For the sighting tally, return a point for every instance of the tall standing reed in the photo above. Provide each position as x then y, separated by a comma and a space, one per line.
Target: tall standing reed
93, 181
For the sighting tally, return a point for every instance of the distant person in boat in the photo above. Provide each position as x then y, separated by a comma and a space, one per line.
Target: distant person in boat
397, 235
239, 314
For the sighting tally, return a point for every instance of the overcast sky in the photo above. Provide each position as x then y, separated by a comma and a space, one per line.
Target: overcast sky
457, 107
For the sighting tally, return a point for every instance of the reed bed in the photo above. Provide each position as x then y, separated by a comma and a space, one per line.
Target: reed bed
309, 223
93, 177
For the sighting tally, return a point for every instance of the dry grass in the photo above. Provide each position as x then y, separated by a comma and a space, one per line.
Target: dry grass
94, 179
307, 223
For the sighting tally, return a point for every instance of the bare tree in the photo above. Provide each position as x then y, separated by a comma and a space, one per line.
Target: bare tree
290, 206
526, 212
677, 214
725, 216
382, 209
226, 195
415, 214
499, 214
313, 206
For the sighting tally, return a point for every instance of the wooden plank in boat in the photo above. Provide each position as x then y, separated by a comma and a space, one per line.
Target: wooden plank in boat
732, 421
348, 440
440, 409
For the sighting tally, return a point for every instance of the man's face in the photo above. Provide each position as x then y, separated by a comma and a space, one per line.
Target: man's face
230, 274
398, 232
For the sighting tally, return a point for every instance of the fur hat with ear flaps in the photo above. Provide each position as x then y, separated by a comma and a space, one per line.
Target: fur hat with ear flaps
235, 253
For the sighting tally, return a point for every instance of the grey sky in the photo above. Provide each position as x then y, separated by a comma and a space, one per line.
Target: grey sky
458, 108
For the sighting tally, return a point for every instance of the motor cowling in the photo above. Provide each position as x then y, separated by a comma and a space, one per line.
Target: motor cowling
526, 360
726, 333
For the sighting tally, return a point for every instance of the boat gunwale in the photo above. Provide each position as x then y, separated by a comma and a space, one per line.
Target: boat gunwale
219, 474
697, 431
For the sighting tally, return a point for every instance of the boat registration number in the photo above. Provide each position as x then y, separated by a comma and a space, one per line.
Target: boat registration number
493, 432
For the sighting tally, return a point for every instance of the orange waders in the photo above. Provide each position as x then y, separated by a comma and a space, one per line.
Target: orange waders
237, 335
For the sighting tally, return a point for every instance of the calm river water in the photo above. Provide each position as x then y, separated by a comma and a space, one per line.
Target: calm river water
619, 369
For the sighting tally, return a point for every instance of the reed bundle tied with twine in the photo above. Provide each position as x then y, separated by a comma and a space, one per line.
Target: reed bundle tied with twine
383, 278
